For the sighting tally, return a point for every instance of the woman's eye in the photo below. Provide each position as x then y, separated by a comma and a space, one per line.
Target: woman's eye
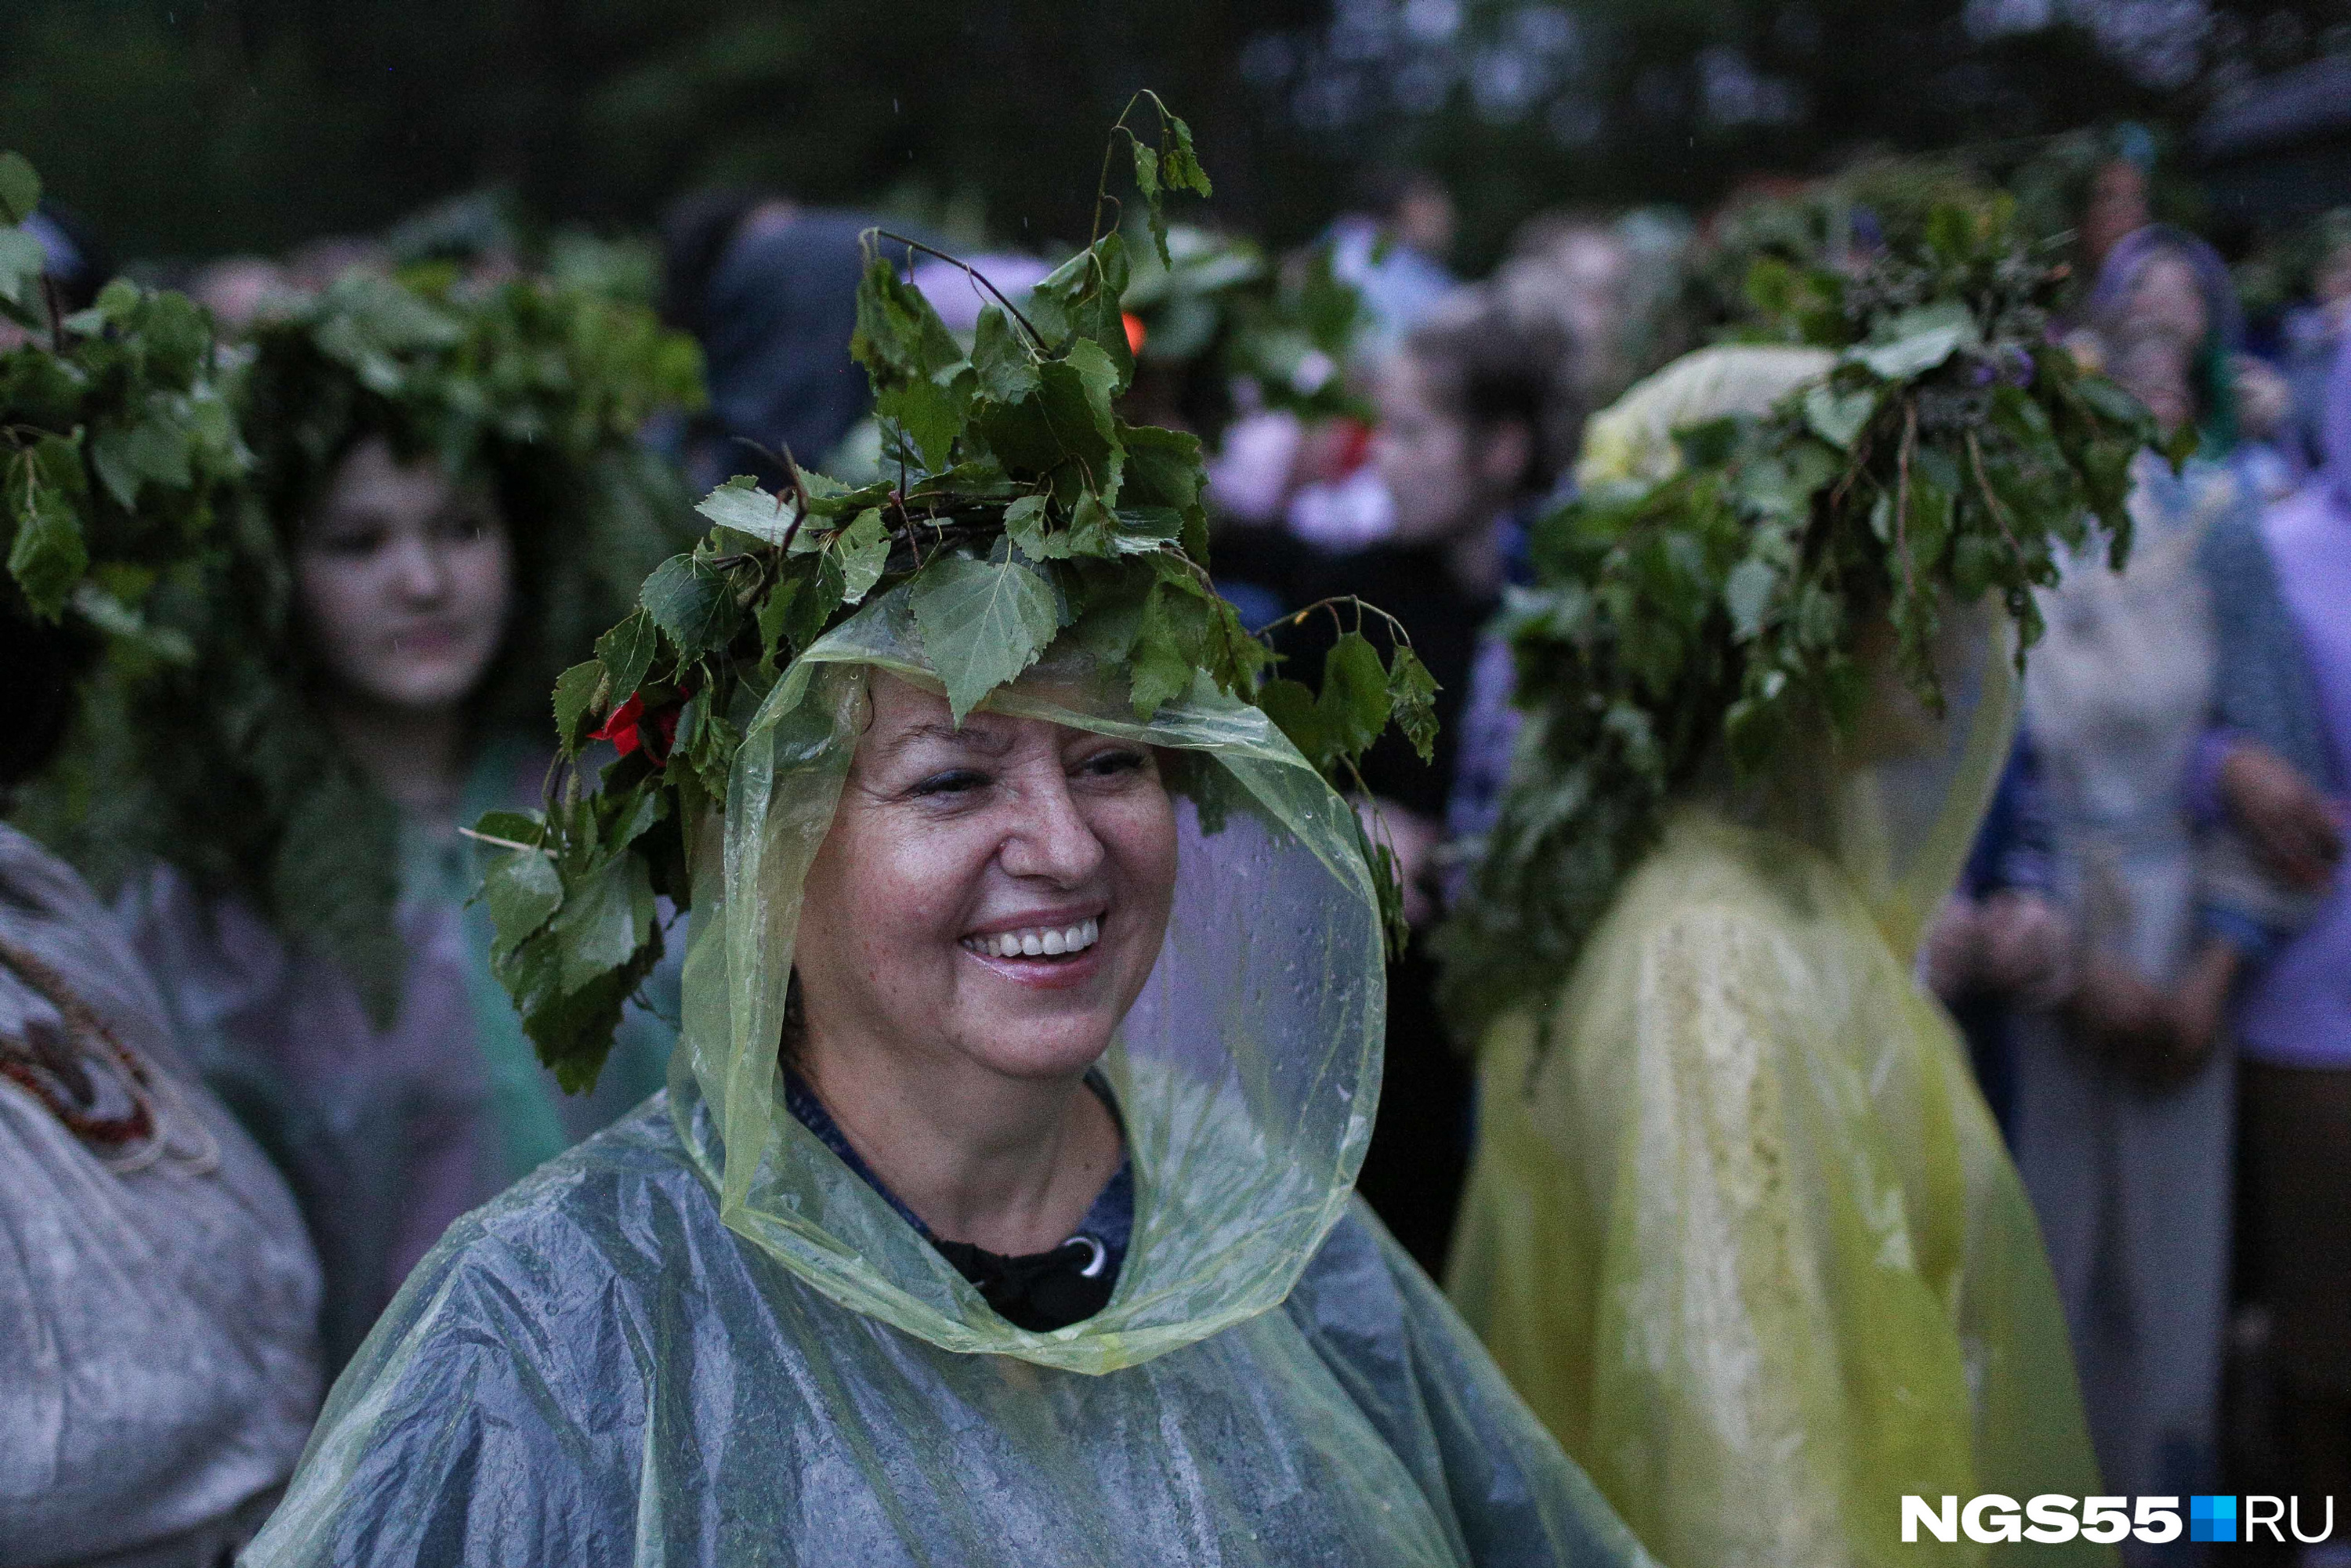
351, 545
955, 781
1111, 764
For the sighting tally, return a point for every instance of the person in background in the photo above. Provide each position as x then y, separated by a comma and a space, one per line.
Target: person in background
2124, 1108
2163, 280
769, 289
157, 1297
2312, 333
1611, 285
1395, 251
2292, 1017
1738, 1226
2001, 943
1470, 411
2116, 204
438, 572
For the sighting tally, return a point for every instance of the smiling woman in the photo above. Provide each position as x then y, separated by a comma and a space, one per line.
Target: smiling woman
944, 1248
1000, 1206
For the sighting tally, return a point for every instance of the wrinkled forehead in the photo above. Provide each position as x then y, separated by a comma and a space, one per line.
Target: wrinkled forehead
907, 714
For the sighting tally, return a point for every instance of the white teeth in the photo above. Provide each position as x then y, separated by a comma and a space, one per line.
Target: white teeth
1037, 942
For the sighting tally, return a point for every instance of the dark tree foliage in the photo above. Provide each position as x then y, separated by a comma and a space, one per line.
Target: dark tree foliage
196, 127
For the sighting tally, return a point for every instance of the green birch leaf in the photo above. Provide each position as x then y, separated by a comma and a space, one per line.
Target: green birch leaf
1007, 368
1146, 173
1838, 417
1181, 165
922, 381
1100, 378
575, 695
1161, 667
22, 262
1748, 593
774, 615
1140, 530
627, 652
1918, 339
155, 450
1146, 180
605, 915
1412, 698
1354, 704
640, 808
20, 188
47, 556
1291, 705
982, 624
1090, 532
740, 505
694, 602
814, 602
522, 891
1024, 524
864, 549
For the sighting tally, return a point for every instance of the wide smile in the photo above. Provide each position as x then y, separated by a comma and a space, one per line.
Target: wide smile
1050, 955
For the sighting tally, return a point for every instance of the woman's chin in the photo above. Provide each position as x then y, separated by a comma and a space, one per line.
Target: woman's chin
1038, 1049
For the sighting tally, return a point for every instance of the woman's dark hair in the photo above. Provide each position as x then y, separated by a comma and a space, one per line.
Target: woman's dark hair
1487, 368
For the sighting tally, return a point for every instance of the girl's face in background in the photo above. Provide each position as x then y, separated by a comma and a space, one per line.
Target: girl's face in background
2153, 368
1425, 457
405, 579
2168, 299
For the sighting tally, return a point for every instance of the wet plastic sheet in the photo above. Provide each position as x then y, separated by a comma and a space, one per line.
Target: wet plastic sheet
158, 1359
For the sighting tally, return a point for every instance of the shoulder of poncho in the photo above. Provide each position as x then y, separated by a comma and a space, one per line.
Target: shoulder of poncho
1349, 1286
582, 1206
1719, 881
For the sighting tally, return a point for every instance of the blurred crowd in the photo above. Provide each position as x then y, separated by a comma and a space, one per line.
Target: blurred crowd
2150, 953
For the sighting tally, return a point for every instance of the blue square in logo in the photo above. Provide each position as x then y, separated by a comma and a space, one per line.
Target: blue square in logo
2211, 1519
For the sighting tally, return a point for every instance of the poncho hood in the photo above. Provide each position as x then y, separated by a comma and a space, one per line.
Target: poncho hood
1247, 1073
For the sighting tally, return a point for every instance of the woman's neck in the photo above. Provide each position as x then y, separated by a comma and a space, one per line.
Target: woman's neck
415, 756
1007, 1164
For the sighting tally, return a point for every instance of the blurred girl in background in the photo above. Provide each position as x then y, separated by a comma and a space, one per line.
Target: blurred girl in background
454, 485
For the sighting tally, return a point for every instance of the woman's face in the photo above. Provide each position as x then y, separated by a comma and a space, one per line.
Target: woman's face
405, 579
2154, 369
1424, 456
2168, 299
993, 894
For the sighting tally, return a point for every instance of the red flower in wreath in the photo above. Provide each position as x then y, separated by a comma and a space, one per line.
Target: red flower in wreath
626, 728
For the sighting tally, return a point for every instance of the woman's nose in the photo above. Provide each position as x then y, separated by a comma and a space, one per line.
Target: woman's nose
418, 572
1052, 838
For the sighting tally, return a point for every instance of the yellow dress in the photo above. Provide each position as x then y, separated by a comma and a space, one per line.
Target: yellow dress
1747, 1238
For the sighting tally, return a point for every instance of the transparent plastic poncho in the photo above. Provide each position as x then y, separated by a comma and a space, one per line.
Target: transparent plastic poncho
700, 1338
1745, 1233
1747, 1236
